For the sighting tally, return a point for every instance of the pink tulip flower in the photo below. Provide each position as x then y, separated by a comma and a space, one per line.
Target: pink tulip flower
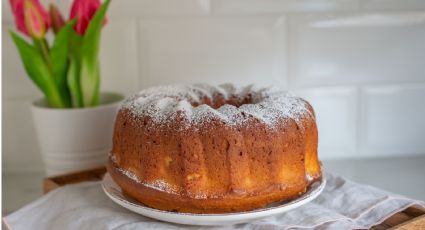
83, 11
30, 17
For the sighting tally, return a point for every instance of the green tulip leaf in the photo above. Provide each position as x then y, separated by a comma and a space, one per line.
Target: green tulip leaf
74, 69
59, 54
73, 81
38, 71
90, 71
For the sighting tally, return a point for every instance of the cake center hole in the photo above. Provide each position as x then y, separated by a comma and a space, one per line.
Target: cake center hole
219, 101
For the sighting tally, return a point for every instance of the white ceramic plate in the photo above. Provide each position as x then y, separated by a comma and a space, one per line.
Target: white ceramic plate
114, 192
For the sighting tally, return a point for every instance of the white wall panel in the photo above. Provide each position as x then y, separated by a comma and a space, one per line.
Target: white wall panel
20, 150
392, 120
214, 50
143, 8
119, 57
280, 6
392, 4
356, 48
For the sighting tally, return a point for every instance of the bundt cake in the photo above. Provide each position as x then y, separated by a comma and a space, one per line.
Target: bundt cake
206, 149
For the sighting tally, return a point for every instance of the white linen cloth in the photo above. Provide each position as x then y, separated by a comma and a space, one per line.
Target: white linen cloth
342, 205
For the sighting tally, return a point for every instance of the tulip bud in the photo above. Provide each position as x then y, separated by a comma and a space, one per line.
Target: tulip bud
83, 11
34, 22
56, 17
18, 9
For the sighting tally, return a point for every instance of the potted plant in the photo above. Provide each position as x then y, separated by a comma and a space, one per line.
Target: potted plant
74, 121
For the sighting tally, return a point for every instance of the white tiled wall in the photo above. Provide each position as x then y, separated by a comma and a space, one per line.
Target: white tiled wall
392, 119
361, 63
123, 34
356, 48
219, 49
281, 6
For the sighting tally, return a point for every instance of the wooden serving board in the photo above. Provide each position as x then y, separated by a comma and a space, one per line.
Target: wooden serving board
411, 218
51, 183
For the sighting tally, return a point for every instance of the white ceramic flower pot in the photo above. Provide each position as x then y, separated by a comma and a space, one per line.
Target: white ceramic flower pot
75, 139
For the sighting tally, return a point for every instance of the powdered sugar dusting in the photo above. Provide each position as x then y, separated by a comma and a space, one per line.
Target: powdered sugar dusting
200, 196
160, 185
269, 105
130, 175
113, 158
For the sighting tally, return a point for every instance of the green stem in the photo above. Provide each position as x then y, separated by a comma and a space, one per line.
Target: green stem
53, 95
55, 100
41, 44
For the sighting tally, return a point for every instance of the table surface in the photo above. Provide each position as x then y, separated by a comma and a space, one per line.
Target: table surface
404, 176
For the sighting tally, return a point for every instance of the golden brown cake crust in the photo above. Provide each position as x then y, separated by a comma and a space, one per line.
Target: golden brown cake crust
173, 202
205, 149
